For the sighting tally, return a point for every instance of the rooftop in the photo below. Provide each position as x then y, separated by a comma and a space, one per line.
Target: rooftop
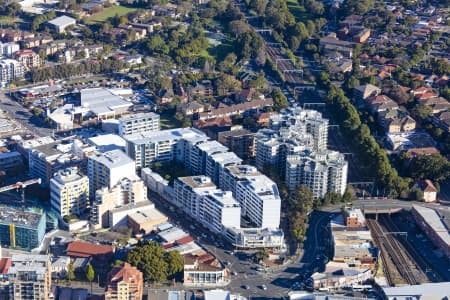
21, 263
200, 181
435, 221
112, 159
212, 147
62, 21
19, 217
107, 142
102, 101
263, 186
68, 175
190, 134
137, 116
422, 291
172, 234
226, 158
82, 249
147, 215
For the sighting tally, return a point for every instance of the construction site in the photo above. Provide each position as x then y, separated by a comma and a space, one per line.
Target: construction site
411, 250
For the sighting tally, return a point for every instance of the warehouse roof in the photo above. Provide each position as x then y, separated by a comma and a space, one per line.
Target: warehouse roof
102, 101
62, 21
434, 221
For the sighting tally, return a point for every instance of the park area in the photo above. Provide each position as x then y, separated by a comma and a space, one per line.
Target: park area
109, 12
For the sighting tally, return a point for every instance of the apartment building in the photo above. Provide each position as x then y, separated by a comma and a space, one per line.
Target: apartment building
7, 49
69, 192
10, 70
124, 283
302, 122
321, 172
241, 142
138, 123
11, 162
30, 277
130, 190
107, 169
28, 58
199, 197
258, 195
164, 145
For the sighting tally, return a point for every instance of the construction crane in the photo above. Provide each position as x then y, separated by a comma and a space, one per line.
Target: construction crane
20, 186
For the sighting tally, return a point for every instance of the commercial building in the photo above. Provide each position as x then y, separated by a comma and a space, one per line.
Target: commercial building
46, 159
198, 273
146, 221
30, 277
69, 192
199, 198
124, 283
433, 226
321, 172
256, 238
128, 191
107, 169
10, 70
61, 23
119, 216
138, 123
102, 103
435, 290
11, 162
23, 229
258, 195
338, 276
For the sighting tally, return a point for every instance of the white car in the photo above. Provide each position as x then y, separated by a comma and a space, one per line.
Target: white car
264, 287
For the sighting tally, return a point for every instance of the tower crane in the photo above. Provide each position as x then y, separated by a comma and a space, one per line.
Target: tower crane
20, 186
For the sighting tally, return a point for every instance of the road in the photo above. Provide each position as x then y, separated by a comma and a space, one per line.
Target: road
22, 116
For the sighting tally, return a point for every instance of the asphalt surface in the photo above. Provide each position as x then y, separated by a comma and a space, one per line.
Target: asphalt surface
22, 116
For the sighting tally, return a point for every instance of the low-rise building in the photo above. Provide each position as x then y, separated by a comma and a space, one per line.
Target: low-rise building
146, 221
28, 58
429, 190
60, 24
204, 273
433, 226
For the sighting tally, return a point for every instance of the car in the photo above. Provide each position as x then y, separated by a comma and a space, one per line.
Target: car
264, 287
245, 287
234, 273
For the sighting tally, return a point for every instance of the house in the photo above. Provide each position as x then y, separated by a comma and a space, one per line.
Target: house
442, 120
203, 88
437, 104
204, 271
396, 120
414, 152
190, 108
428, 189
380, 103
61, 23
332, 44
366, 91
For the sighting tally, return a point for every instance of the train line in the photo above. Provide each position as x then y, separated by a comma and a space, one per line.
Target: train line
421, 262
390, 246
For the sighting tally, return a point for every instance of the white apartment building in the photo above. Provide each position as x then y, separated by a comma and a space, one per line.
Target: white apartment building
138, 123
258, 195
107, 169
10, 70
8, 49
30, 277
321, 172
164, 145
69, 192
303, 121
199, 197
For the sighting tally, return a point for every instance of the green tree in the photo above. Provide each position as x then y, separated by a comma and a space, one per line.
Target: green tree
90, 274
149, 259
279, 99
174, 262
261, 255
71, 271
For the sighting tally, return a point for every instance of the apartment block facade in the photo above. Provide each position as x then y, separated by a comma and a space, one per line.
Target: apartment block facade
138, 123
69, 192
124, 283
10, 70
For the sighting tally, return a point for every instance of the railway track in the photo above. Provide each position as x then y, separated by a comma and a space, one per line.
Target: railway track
421, 262
404, 264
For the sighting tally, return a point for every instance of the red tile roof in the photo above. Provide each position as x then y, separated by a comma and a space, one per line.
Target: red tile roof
5, 264
82, 249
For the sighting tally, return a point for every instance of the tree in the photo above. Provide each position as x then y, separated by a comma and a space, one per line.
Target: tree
279, 99
175, 263
261, 254
90, 274
71, 271
149, 259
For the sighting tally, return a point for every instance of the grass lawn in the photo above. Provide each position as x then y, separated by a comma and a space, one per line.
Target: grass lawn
299, 12
109, 13
168, 121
